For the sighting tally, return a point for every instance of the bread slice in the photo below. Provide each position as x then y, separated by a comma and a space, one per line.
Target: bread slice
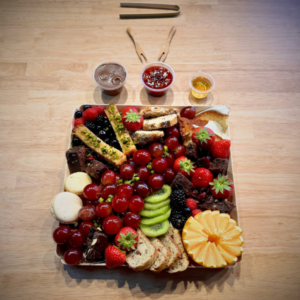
108, 153
156, 111
142, 137
212, 116
122, 134
174, 249
160, 122
181, 263
145, 254
163, 256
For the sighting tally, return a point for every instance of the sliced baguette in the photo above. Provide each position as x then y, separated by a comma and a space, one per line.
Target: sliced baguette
106, 152
182, 263
145, 254
160, 122
156, 111
163, 256
122, 134
142, 137
174, 249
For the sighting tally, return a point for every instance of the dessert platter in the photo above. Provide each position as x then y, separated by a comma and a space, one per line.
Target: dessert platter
149, 188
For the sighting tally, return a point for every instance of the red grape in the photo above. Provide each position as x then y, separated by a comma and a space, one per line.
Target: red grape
91, 192
103, 209
90, 202
61, 234
108, 177
143, 173
109, 189
125, 190
85, 227
141, 157
132, 163
126, 171
73, 256
156, 149
136, 204
179, 151
141, 188
76, 238
169, 175
111, 225
172, 131
132, 220
87, 213
159, 164
170, 160
119, 204
156, 181
118, 177
171, 142
188, 112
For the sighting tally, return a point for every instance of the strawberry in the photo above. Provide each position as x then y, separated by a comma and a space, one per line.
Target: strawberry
220, 149
78, 121
203, 137
202, 177
132, 120
196, 211
191, 203
222, 187
128, 108
90, 114
126, 239
184, 166
99, 109
114, 257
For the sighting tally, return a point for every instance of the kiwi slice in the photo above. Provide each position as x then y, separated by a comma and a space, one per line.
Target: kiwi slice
156, 212
155, 220
160, 195
157, 205
155, 230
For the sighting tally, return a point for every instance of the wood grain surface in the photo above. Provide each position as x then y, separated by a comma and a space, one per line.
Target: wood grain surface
48, 50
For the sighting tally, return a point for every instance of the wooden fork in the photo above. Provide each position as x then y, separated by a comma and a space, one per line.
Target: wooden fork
165, 49
138, 48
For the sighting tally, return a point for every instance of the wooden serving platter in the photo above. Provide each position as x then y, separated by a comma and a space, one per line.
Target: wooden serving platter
234, 214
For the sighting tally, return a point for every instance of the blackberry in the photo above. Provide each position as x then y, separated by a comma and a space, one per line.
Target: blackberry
90, 125
187, 211
178, 199
99, 120
85, 107
78, 114
178, 220
76, 142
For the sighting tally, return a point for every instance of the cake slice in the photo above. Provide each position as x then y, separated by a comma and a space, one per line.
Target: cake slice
160, 122
145, 254
163, 256
173, 248
142, 137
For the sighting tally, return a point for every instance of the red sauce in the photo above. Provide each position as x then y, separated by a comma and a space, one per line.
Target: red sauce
157, 78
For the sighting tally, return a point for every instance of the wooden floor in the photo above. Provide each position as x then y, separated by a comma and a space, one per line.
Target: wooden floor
48, 50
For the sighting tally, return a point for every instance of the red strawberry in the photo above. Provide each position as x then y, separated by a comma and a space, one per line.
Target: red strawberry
78, 121
126, 239
90, 114
132, 120
220, 149
114, 257
191, 203
184, 166
128, 108
196, 211
99, 109
222, 187
202, 177
203, 137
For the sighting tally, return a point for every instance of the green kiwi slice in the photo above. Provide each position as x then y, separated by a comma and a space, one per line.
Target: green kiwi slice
156, 212
157, 205
155, 220
160, 195
155, 230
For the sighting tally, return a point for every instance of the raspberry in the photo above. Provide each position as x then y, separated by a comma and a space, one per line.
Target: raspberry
79, 121
99, 109
90, 114
196, 211
191, 203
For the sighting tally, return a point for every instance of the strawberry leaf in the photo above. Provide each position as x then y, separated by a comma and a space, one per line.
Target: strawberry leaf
203, 135
133, 116
186, 165
221, 183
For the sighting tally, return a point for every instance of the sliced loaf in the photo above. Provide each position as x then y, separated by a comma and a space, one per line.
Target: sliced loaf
163, 255
174, 249
160, 122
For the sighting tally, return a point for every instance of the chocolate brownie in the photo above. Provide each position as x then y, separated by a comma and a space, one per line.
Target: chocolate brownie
191, 151
219, 166
224, 206
180, 182
76, 159
95, 169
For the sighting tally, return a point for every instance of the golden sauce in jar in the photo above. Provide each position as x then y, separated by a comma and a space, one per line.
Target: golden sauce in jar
201, 84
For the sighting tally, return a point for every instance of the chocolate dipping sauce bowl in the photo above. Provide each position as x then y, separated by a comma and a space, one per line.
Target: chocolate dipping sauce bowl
110, 76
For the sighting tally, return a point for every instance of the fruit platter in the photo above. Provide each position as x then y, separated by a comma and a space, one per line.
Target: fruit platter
149, 188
